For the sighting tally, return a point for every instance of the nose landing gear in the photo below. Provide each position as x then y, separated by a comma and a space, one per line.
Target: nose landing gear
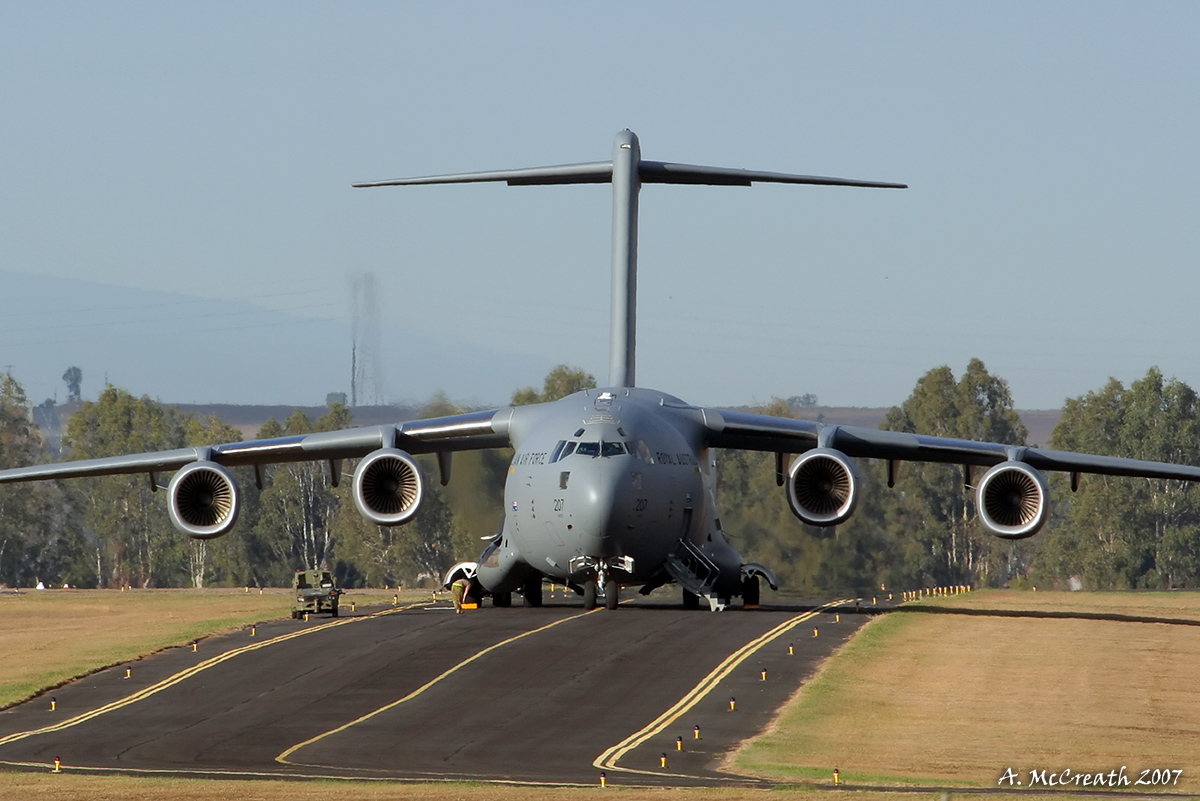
610, 591
601, 580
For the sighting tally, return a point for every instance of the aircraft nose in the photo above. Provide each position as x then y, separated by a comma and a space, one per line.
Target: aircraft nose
601, 490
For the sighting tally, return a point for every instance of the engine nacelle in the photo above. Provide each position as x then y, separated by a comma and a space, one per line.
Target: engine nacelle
1013, 500
822, 487
388, 487
203, 500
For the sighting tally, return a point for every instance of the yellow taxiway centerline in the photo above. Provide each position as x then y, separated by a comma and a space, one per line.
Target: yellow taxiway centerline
609, 759
282, 774
170, 681
284, 756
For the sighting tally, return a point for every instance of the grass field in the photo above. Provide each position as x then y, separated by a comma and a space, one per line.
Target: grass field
956, 691
51, 636
118, 788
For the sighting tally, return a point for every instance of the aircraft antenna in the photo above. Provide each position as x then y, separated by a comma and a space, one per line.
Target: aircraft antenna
627, 172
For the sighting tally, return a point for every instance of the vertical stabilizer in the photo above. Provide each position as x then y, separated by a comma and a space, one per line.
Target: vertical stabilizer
627, 158
627, 172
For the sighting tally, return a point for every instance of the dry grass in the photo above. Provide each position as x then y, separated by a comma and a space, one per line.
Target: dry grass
67, 787
958, 698
51, 636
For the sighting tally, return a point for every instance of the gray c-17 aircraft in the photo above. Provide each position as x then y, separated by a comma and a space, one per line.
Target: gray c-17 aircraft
614, 486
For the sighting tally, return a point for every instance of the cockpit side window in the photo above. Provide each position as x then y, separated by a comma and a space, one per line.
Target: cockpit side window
554, 456
567, 451
588, 449
641, 450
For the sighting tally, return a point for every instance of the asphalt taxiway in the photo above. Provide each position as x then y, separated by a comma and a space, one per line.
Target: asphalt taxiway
551, 695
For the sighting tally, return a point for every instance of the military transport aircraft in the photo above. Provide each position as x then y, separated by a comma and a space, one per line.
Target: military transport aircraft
614, 486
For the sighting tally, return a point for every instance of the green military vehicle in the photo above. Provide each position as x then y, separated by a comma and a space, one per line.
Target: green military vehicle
314, 591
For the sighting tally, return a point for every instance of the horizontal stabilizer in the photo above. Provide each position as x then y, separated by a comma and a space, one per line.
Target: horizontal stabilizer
658, 172
597, 172
649, 172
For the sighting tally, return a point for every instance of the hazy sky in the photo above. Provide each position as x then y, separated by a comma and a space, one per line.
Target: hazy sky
207, 149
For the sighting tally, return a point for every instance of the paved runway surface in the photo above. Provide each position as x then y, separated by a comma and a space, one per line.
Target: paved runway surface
551, 695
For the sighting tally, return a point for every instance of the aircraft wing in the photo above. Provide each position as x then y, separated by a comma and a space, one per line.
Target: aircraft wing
470, 431
782, 435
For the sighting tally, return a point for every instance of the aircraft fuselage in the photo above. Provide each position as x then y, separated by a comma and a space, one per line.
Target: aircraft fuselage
607, 484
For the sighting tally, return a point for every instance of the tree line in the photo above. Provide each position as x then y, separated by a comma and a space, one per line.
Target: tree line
1112, 533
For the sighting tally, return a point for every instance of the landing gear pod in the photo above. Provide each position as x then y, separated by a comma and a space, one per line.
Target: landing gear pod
1012, 500
203, 500
822, 487
462, 570
388, 486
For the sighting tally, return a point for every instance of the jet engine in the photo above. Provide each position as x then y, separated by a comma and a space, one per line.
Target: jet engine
203, 500
1012, 500
822, 487
388, 487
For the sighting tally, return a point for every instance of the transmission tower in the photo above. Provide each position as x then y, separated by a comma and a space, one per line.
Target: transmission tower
366, 372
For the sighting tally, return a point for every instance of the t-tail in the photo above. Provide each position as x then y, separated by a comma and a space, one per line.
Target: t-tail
627, 171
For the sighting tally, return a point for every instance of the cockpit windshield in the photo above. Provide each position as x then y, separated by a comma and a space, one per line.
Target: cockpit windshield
616, 448
612, 448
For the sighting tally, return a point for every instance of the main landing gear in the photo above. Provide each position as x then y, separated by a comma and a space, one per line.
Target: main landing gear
750, 592
532, 591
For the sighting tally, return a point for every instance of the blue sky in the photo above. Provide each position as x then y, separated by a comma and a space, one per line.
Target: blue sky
207, 150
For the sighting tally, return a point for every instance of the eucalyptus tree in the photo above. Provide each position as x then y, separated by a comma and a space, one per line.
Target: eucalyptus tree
559, 383
1128, 532
221, 560
39, 536
298, 502
427, 546
133, 540
930, 508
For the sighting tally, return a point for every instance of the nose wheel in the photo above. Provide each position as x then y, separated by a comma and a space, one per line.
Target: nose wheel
612, 593
591, 594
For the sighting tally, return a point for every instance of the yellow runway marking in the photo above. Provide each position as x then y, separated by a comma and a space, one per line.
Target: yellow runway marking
609, 759
171, 681
285, 774
284, 756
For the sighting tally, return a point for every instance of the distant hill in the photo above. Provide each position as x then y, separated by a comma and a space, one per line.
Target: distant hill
168, 345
